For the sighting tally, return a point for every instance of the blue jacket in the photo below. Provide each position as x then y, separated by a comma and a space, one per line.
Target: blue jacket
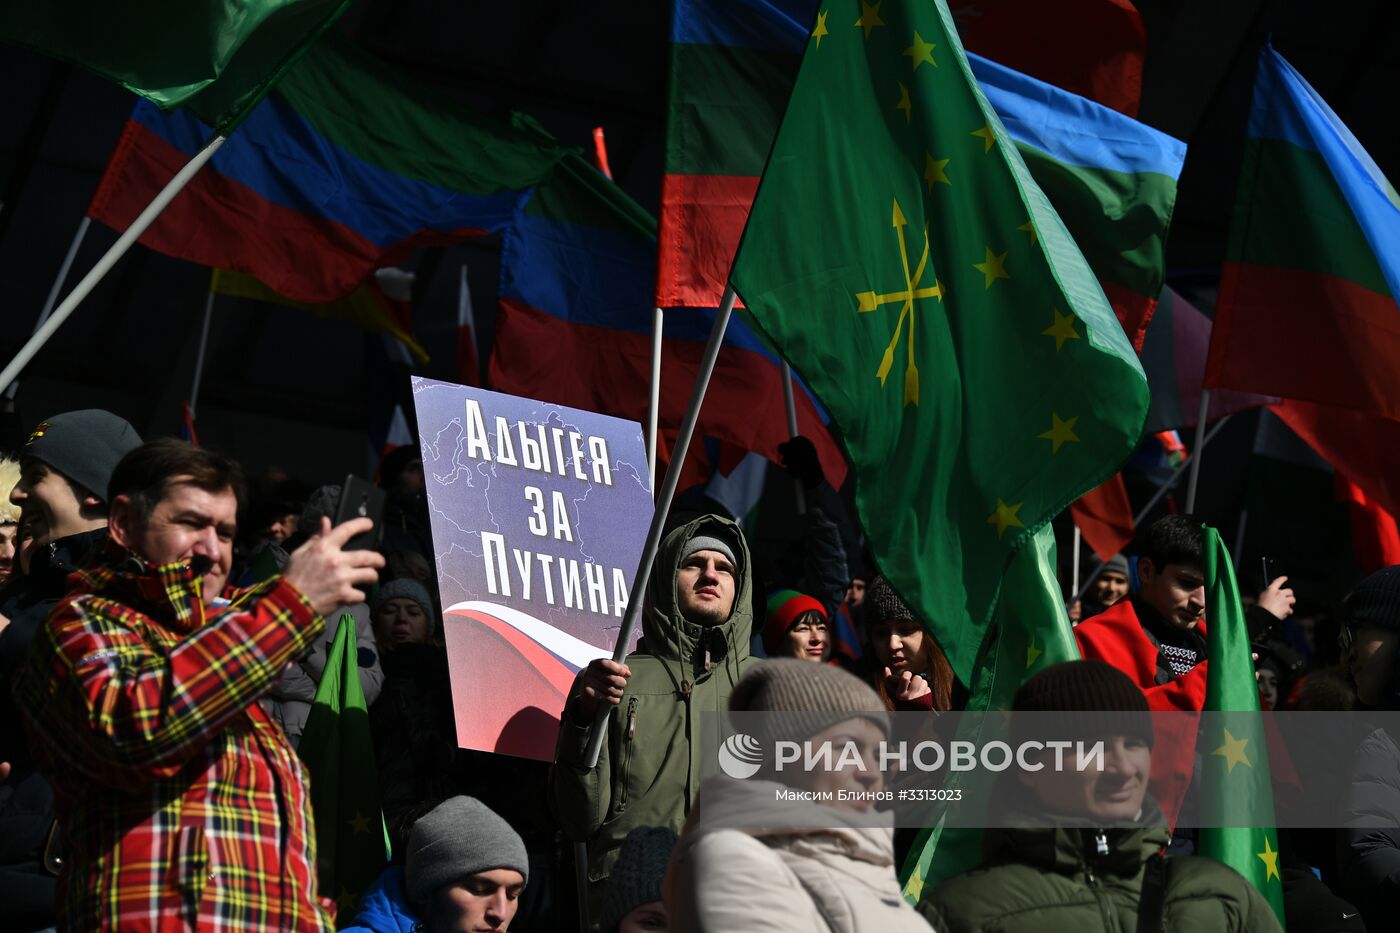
385, 908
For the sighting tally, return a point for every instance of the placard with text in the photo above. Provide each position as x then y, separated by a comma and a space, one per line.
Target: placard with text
539, 513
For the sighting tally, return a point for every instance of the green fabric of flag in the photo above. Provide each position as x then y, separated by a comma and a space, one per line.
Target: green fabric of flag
1234, 753
352, 844
902, 259
219, 57
1031, 631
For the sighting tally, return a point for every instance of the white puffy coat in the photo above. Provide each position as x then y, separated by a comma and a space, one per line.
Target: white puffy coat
836, 873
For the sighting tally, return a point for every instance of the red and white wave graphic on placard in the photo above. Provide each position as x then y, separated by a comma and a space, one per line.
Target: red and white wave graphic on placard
511, 674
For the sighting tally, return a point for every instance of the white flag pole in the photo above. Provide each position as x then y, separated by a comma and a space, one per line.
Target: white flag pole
104, 265
658, 323
1074, 569
791, 405
199, 357
1196, 453
56, 287
663, 506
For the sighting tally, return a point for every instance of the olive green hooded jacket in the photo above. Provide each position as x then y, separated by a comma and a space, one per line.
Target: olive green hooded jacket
1061, 880
649, 771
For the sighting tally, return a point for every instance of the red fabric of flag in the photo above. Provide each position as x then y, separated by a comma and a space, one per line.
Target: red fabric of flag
1100, 57
1374, 537
1105, 517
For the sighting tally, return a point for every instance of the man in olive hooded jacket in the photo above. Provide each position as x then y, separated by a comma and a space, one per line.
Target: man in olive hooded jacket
695, 646
1084, 851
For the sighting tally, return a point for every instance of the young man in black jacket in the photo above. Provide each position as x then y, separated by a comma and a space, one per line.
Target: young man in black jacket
62, 495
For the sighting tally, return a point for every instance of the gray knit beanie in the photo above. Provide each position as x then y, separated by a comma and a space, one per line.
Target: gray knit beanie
406, 589
708, 543
810, 697
1117, 563
637, 874
457, 838
85, 446
881, 603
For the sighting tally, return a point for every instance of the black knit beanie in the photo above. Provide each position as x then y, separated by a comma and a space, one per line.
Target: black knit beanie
85, 446
1114, 704
881, 603
1375, 600
637, 874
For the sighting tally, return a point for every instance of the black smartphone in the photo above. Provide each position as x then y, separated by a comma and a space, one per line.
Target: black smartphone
359, 498
1273, 569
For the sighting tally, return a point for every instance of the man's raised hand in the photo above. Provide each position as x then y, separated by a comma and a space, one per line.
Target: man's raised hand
1278, 599
328, 576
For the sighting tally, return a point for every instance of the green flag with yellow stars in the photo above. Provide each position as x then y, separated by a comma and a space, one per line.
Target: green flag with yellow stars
901, 258
1030, 632
352, 844
1235, 782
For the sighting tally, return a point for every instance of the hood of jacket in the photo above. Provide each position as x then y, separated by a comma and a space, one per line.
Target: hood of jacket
751, 807
1068, 849
385, 908
670, 636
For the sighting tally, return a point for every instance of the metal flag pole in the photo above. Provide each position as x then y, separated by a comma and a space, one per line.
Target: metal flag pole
658, 324
109, 259
791, 405
1196, 456
56, 288
663, 505
1162, 490
199, 357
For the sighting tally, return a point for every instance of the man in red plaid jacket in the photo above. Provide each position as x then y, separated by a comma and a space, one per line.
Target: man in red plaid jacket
181, 803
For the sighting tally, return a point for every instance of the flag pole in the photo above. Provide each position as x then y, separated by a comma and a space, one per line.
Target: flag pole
658, 324
1162, 490
1196, 457
1074, 569
199, 356
109, 259
56, 288
663, 506
791, 407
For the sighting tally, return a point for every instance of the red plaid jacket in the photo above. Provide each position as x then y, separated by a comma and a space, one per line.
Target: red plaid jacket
182, 805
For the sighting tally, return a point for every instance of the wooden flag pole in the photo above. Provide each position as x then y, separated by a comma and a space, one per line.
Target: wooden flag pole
791, 407
56, 287
1196, 454
663, 506
658, 324
109, 259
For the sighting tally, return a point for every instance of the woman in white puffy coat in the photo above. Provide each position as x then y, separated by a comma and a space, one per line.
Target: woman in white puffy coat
751, 858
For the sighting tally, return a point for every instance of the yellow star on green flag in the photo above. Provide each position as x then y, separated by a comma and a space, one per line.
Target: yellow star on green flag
1237, 798
919, 316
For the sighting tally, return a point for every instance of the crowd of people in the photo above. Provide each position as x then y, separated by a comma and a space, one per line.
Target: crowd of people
163, 632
